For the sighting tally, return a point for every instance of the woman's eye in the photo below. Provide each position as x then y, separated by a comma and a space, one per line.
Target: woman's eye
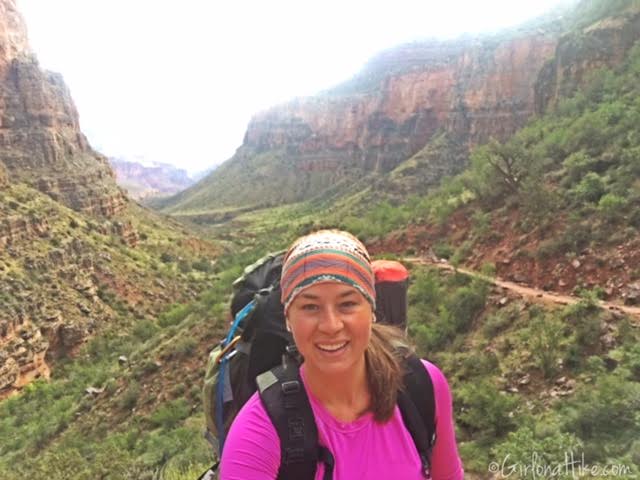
309, 307
348, 304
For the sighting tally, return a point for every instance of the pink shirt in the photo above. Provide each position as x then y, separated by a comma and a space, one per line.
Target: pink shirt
363, 449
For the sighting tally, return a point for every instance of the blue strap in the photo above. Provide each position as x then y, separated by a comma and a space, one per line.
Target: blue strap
224, 372
240, 316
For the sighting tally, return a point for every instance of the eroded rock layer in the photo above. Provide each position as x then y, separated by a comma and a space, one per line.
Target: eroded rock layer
40, 139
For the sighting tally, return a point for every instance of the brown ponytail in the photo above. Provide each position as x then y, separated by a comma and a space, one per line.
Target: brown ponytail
383, 358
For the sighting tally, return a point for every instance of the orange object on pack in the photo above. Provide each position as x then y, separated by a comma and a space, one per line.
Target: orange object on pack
392, 283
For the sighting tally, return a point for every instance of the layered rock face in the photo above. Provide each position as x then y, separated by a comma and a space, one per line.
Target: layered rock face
42, 147
471, 89
475, 91
40, 139
603, 44
22, 354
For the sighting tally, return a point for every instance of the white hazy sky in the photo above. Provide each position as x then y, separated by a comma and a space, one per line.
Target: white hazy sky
178, 81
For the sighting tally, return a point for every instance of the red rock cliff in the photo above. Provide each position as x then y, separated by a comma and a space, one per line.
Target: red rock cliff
40, 138
475, 89
472, 89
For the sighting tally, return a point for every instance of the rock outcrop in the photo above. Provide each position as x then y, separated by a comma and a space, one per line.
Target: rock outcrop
22, 354
40, 139
478, 89
603, 44
18, 228
472, 89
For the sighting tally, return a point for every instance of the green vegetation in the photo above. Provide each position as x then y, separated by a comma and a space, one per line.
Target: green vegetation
524, 379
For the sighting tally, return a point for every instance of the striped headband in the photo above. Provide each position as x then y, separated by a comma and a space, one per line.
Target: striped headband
326, 256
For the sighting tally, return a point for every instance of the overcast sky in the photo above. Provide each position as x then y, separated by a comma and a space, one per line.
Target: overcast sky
178, 81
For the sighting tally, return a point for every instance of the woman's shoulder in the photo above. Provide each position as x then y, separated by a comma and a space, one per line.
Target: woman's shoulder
437, 377
252, 448
441, 390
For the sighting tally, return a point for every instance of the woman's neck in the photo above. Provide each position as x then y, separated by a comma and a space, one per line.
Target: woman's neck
346, 396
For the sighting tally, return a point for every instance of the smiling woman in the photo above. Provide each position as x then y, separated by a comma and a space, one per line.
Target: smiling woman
355, 376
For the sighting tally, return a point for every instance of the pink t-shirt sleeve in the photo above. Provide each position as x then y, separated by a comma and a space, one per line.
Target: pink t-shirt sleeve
252, 448
445, 461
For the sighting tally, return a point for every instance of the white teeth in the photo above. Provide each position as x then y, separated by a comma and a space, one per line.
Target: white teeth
331, 348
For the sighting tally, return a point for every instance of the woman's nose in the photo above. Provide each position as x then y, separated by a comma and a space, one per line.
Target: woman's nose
331, 321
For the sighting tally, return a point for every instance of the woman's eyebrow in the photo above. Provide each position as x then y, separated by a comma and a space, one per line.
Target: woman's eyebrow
347, 293
311, 296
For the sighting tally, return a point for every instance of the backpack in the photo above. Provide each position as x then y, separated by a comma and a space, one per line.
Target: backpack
254, 344
392, 283
258, 354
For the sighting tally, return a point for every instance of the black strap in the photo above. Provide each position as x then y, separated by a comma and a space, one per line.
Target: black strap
417, 406
326, 457
286, 402
288, 407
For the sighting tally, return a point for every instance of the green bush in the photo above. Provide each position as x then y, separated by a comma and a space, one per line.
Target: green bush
484, 410
545, 341
130, 396
466, 303
611, 206
175, 314
184, 346
605, 416
590, 188
144, 330
544, 443
443, 250
584, 316
170, 414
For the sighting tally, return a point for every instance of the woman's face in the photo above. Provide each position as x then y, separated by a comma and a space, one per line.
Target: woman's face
331, 325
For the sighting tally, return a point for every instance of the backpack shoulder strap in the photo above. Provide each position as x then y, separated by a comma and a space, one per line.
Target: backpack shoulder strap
417, 406
287, 404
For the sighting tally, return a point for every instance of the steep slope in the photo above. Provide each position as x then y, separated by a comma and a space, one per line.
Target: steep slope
75, 253
474, 88
470, 89
40, 138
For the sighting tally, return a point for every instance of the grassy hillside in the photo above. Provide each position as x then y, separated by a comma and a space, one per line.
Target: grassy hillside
555, 206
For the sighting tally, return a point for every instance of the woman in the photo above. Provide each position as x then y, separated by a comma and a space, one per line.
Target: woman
350, 374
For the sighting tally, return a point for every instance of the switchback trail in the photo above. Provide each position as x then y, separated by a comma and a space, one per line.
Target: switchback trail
539, 296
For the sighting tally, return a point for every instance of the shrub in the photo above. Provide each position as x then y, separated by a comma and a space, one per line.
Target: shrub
611, 206
184, 346
606, 413
590, 188
584, 316
544, 442
129, 398
144, 330
497, 322
485, 411
174, 315
545, 339
466, 303
169, 415
443, 250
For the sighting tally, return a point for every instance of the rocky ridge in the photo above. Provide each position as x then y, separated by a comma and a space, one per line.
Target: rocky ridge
75, 254
472, 89
143, 182
40, 139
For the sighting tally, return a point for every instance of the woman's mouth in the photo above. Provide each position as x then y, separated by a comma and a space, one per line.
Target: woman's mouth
332, 347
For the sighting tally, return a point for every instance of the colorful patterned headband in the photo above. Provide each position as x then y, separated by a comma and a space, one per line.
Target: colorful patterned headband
327, 256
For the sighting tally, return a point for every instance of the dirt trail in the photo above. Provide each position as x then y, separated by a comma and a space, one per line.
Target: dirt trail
535, 294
